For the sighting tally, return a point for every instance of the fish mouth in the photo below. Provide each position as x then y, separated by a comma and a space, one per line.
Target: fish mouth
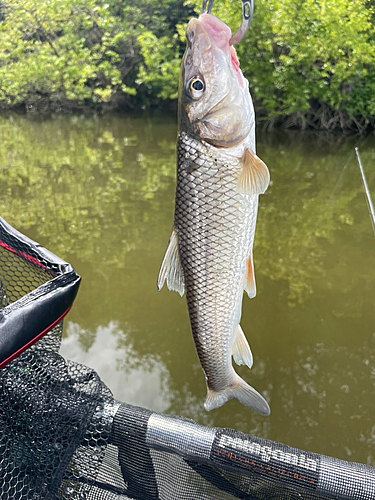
218, 32
208, 30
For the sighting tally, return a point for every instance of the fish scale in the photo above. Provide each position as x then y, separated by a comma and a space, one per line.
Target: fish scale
215, 226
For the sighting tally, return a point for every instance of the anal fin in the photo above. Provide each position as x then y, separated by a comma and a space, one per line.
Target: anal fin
254, 177
249, 278
171, 269
241, 351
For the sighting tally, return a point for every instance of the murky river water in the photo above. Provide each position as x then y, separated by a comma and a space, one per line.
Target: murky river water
99, 192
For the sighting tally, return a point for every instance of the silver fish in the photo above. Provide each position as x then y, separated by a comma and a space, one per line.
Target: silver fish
219, 179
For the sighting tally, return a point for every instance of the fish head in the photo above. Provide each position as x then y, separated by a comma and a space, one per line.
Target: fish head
214, 100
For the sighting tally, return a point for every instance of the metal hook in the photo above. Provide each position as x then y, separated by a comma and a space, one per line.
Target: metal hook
247, 16
204, 6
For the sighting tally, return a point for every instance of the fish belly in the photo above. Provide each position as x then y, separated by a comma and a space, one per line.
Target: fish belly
215, 227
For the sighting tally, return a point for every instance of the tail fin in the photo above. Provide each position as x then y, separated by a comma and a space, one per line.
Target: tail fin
241, 391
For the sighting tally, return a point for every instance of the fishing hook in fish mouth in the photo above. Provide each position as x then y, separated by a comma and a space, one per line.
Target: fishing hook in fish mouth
247, 16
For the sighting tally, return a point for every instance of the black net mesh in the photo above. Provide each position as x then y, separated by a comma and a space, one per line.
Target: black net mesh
22, 274
63, 436
44, 421
19, 277
36, 291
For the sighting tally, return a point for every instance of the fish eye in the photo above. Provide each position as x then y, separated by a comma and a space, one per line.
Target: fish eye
195, 87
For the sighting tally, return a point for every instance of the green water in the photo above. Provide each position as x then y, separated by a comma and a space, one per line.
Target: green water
99, 192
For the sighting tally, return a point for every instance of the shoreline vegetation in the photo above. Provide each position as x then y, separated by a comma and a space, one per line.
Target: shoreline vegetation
310, 63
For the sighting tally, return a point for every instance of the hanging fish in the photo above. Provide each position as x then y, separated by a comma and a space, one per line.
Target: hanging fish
219, 179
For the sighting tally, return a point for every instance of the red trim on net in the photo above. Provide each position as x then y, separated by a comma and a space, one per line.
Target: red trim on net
24, 255
29, 344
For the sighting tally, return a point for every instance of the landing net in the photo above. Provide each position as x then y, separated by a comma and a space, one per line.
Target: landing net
63, 436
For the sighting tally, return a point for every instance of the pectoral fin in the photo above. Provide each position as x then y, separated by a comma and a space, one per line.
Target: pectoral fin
249, 279
254, 177
171, 269
241, 351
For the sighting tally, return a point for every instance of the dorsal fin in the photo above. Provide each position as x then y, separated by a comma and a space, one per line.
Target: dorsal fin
254, 177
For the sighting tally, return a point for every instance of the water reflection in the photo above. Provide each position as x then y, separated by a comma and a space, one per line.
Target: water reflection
141, 381
99, 193
329, 389
84, 184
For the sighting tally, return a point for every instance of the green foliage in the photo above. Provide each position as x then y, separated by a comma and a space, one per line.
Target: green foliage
302, 53
61, 49
85, 50
307, 59
161, 68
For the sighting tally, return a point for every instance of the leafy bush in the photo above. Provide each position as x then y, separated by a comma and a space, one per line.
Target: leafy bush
60, 49
309, 62
83, 51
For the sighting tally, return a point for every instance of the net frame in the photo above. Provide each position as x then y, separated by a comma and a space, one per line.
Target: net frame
26, 320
